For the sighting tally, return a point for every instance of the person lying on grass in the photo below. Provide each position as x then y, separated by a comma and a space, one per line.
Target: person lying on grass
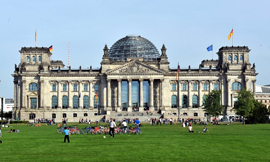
204, 130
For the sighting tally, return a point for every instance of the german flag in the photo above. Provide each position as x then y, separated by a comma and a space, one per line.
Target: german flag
177, 74
51, 48
229, 36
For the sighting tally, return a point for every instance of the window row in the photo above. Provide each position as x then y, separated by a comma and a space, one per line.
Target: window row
64, 115
235, 57
75, 87
34, 59
194, 87
195, 114
195, 101
75, 101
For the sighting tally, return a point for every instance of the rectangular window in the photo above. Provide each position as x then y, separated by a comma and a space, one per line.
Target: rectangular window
75, 87
173, 87
184, 87
54, 87
194, 87
85, 87
33, 103
205, 87
215, 86
64, 87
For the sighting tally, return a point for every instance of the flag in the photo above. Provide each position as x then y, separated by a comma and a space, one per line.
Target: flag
229, 36
35, 36
51, 48
96, 98
177, 74
210, 48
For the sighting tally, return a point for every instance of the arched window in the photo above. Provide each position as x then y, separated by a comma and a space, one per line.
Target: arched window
53, 116
75, 102
173, 102
65, 102
32, 116
64, 115
96, 101
85, 114
28, 58
241, 58
195, 114
230, 57
34, 58
236, 86
194, 101
235, 57
54, 102
33, 87
40, 58
173, 87
184, 101
205, 114
85, 102
74, 115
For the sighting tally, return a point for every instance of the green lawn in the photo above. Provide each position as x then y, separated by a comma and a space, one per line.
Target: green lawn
156, 143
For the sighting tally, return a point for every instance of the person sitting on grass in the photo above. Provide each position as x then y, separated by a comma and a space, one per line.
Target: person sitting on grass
204, 130
190, 130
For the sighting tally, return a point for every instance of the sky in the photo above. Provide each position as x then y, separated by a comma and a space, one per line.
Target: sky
186, 28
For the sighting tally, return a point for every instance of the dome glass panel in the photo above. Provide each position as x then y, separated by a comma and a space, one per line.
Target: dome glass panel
133, 47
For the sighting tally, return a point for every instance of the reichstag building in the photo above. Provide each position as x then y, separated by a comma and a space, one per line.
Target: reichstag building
134, 77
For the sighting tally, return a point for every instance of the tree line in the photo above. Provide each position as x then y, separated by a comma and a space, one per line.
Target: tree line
246, 106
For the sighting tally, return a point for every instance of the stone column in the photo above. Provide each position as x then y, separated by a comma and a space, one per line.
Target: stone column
109, 108
80, 90
119, 93
59, 94
141, 96
229, 93
189, 95
69, 95
91, 97
152, 94
19, 95
254, 87
129, 95
160, 94
24, 97
15, 95
200, 97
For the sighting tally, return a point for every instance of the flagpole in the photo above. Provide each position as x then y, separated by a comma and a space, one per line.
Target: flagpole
36, 38
212, 52
232, 37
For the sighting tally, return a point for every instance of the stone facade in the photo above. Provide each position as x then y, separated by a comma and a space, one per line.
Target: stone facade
41, 85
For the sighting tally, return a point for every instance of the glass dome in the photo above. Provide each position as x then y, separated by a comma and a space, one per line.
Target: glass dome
133, 47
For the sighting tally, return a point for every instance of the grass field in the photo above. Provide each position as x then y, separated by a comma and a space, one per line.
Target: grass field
156, 143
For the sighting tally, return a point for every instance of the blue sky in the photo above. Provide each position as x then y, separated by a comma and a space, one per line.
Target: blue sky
186, 28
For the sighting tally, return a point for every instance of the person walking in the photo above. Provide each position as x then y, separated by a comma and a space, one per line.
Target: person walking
112, 126
66, 132
0, 135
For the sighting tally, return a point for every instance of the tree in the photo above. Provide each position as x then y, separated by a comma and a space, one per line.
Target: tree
212, 103
245, 104
259, 114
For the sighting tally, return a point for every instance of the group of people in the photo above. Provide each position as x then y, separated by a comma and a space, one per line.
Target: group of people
190, 129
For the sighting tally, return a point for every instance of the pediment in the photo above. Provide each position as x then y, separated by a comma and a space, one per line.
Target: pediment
135, 67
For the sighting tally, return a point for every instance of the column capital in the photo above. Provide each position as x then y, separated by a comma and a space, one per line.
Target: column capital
162, 80
129, 80
108, 80
151, 80
141, 79
119, 80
